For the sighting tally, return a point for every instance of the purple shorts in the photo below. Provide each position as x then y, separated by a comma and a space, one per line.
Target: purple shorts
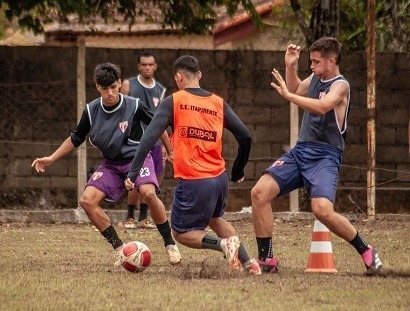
156, 153
110, 176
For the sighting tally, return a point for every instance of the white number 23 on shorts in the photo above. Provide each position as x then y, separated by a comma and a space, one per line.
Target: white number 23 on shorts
144, 172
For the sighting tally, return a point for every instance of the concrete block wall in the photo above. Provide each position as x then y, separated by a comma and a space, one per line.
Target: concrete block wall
242, 78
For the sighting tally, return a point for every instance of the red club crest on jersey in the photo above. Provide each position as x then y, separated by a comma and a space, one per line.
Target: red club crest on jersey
322, 94
278, 163
155, 100
123, 126
97, 175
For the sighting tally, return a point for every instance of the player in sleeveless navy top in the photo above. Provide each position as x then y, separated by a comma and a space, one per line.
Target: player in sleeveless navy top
151, 92
108, 121
315, 160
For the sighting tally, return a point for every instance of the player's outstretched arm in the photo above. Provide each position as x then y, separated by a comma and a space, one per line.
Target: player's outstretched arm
40, 163
335, 96
291, 62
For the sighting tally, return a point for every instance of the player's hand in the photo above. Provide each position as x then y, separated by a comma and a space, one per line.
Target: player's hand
170, 157
281, 86
40, 163
129, 184
292, 55
164, 153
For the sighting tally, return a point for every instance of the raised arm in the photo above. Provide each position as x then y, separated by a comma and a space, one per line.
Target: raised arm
294, 84
335, 96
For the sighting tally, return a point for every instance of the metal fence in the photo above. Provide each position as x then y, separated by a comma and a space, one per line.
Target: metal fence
39, 108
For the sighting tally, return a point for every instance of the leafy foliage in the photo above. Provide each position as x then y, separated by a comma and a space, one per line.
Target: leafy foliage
192, 16
392, 20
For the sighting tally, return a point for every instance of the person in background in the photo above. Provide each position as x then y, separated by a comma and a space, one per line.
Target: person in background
107, 121
151, 92
198, 118
315, 160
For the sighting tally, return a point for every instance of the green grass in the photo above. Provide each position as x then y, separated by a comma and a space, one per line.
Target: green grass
69, 267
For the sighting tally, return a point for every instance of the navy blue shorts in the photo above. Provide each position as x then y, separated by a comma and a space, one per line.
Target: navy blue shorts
314, 166
197, 201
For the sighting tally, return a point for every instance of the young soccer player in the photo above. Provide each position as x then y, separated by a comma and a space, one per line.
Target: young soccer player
197, 118
315, 160
108, 121
146, 88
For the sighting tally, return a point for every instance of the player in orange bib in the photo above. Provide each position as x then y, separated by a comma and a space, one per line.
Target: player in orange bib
198, 118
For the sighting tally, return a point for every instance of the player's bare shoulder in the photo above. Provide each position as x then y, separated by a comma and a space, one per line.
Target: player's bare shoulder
125, 87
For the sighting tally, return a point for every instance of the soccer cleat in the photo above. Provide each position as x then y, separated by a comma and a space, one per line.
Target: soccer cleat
372, 261
174, 254
145, 224
270, 266
231, 252
130, 224
117, 256
252, 267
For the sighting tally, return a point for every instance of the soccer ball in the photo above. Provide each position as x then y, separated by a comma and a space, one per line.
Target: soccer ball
135, 256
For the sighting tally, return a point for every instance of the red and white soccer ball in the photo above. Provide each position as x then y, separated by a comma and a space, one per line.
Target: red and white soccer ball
135, 256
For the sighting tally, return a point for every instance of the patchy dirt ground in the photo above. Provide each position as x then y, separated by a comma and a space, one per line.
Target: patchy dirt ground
64, 264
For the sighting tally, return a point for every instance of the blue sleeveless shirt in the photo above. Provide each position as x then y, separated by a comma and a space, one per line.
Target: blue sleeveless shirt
110, 130
323, 129
151, 96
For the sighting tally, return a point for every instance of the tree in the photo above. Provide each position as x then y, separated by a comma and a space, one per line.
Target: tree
324, 19
191, 16
392, 19
346, 20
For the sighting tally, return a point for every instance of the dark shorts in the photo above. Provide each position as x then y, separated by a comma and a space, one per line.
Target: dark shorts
156, 153
197, 201
110, 175
314, 166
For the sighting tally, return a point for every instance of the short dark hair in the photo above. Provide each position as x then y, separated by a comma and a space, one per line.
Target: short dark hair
187, 63
146, 53
329, 47
106, 74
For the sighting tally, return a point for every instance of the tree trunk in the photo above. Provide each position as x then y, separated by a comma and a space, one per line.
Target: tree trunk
325, 19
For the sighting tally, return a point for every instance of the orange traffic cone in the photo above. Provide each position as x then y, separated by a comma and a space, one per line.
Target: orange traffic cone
321, 254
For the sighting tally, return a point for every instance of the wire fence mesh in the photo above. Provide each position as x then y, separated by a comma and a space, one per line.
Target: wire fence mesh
38, 108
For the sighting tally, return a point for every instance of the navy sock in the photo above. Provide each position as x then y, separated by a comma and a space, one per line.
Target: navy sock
211, 242
165, 231
130, 212
359, 244
112, 237
265, 249
243, 254
143, 212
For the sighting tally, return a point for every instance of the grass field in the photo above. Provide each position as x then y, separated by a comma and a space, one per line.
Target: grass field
69, 267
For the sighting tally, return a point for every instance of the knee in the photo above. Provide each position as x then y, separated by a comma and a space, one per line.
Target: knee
149, 197
322, 212
85, 202
257, 196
